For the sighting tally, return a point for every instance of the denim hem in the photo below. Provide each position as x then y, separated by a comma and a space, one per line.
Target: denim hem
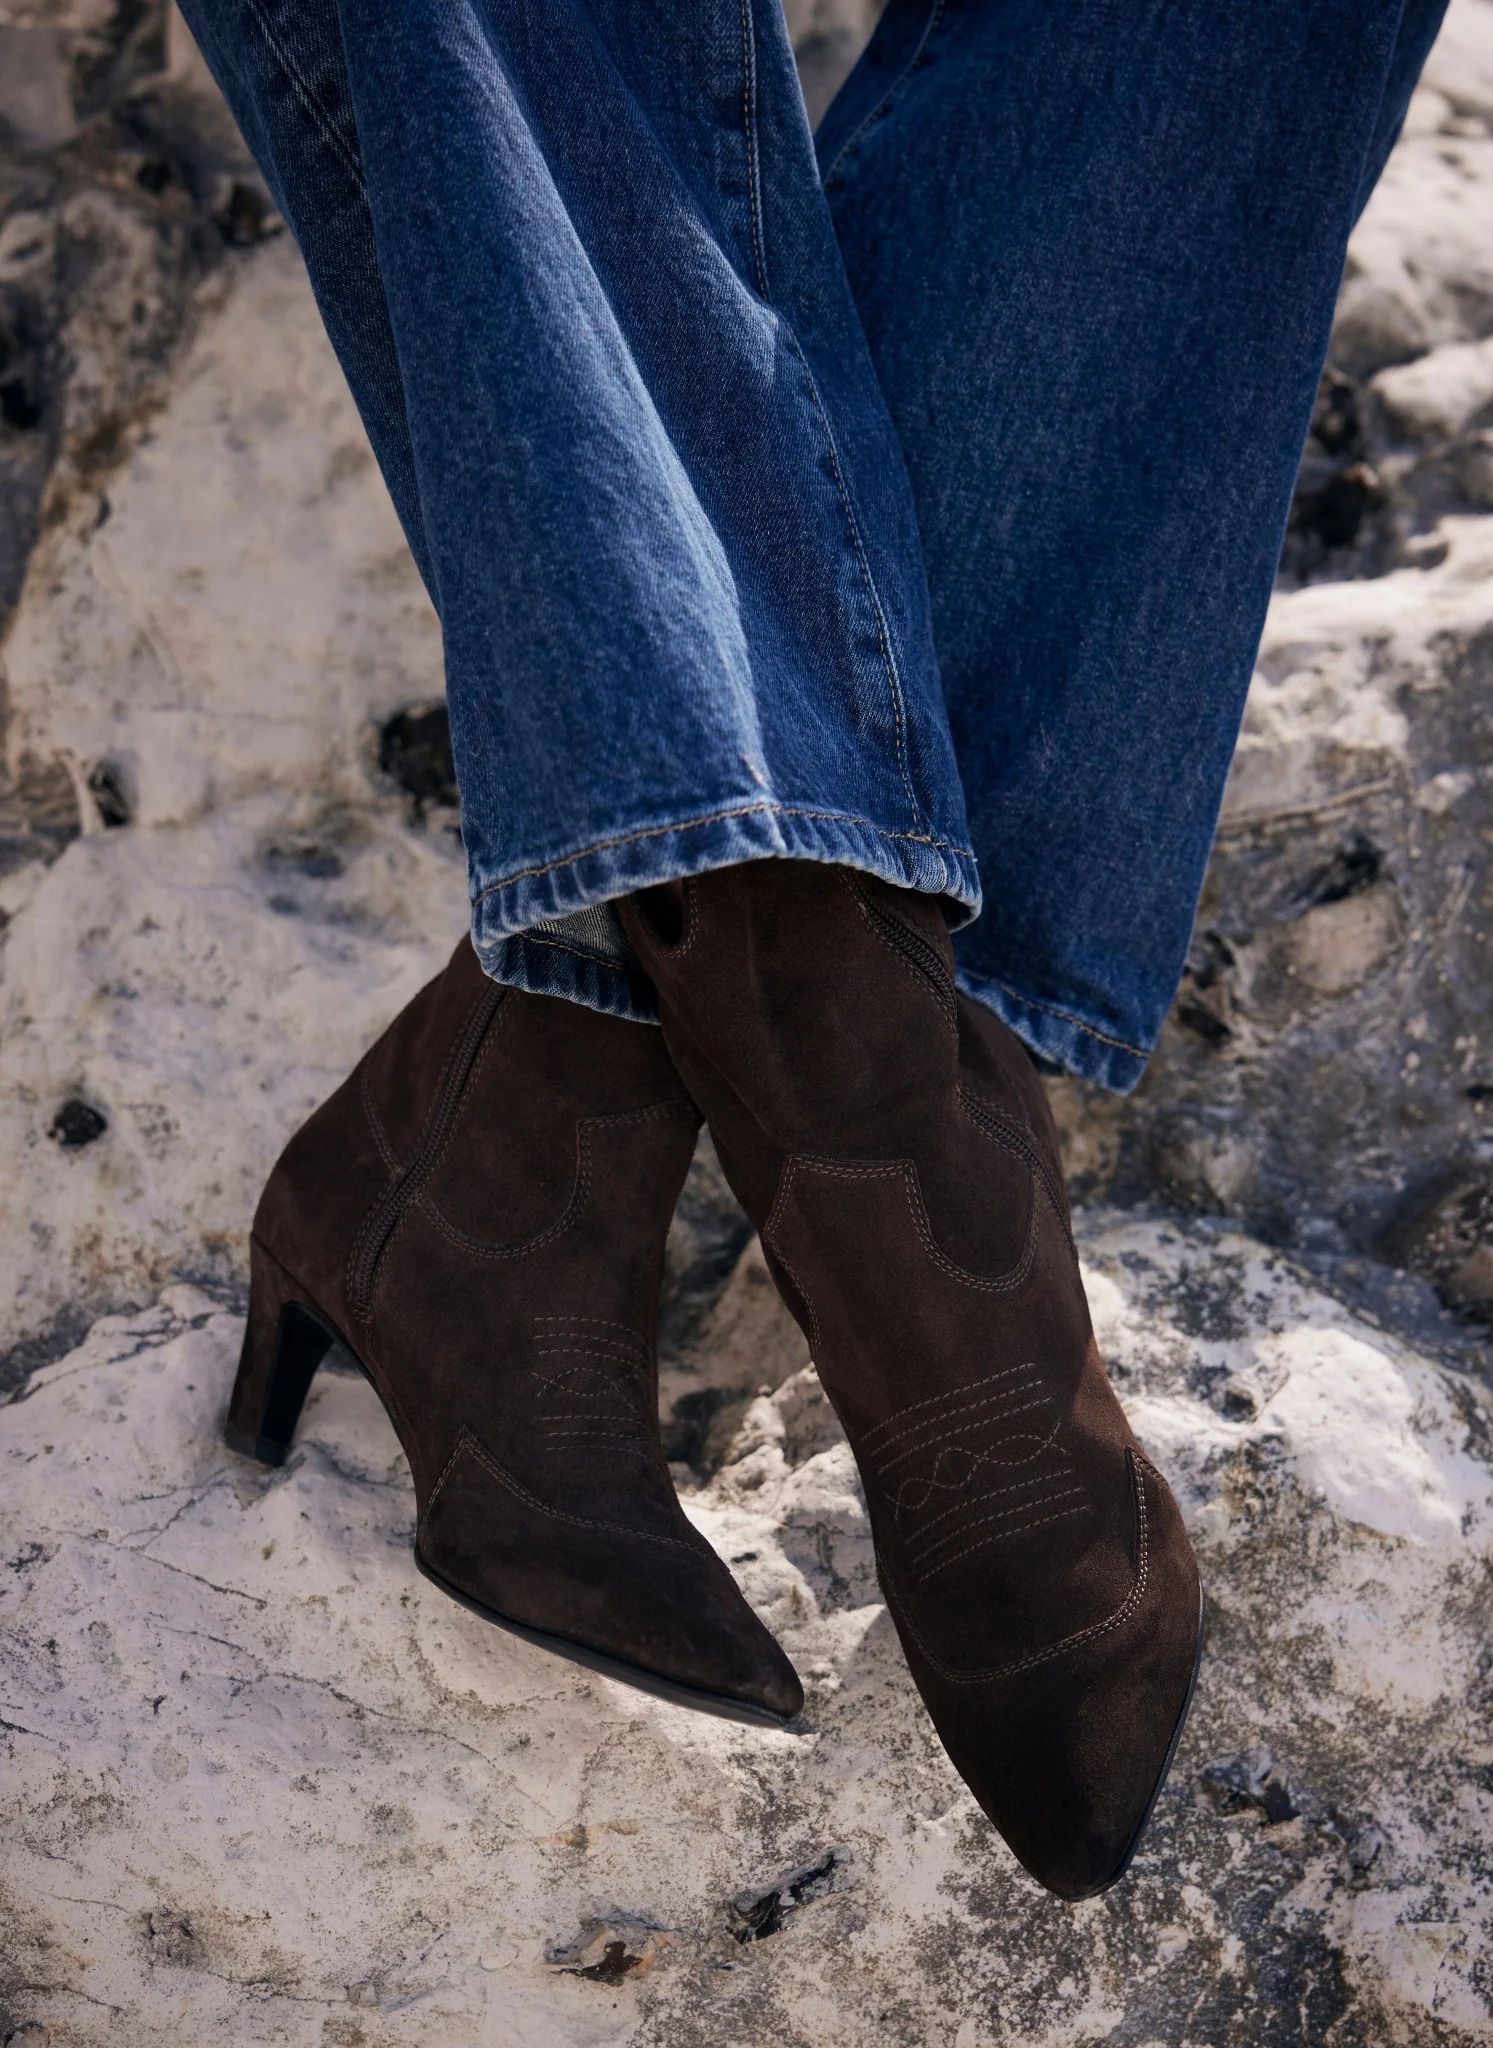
1081, 1049
504, 913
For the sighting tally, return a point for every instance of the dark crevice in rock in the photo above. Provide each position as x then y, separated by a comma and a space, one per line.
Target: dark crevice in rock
77, 1123
1253, 1783
756, 1915
414, 749
108, 787
1352, 869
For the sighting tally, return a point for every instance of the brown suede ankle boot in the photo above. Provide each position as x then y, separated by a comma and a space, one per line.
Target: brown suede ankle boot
893, 1144
478, 1215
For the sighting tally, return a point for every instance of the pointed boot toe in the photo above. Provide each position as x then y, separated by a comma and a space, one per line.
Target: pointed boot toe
1067, 1752
629, 1588
478, 1215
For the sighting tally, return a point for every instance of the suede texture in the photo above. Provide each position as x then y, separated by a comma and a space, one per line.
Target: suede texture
479, 1215
894, 1146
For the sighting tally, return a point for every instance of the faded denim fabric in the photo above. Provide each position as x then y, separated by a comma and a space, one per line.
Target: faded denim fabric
912, 505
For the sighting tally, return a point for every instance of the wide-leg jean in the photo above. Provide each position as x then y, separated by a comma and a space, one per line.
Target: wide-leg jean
906, 495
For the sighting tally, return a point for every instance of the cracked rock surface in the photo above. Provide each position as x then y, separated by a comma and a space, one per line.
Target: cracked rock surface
266, 1785
259, 1782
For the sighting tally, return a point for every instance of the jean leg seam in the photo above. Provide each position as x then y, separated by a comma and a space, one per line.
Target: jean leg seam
888, 658
759, 254
536, 938
935, 16
753, 143
306, 94
1067, 1017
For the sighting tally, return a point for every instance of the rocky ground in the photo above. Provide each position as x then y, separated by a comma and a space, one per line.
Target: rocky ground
261, 1784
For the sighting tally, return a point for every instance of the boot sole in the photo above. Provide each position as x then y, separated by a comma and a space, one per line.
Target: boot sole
301, 1339
1161, 1777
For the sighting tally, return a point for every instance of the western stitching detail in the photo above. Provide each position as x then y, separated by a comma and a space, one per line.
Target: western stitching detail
1119, 1617
1004, 1535
996, 1515
1003, 1283
482, 1248
941, 1401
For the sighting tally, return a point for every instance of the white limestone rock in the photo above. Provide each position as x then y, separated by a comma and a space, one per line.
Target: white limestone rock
264, 1784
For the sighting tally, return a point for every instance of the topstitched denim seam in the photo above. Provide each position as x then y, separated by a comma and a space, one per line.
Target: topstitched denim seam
753, 144
716, 818
534, 938
306, 94
888, 659
1051, 1010
935, 15
759, 251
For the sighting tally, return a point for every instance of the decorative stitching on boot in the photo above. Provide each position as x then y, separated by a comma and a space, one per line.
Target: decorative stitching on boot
1003, 1535
1018, 1508
482, 1248
932, 1482
1096, 1629
962, 1407
973, 1500
983, 1115
600, 1322
963, 1429
466, 1441
941, 1400
1004, 1283
595, 1347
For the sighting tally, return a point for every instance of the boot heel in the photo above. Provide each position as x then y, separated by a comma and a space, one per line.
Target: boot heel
283, 1345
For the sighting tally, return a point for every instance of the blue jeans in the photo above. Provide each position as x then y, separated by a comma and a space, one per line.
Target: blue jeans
907, 496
